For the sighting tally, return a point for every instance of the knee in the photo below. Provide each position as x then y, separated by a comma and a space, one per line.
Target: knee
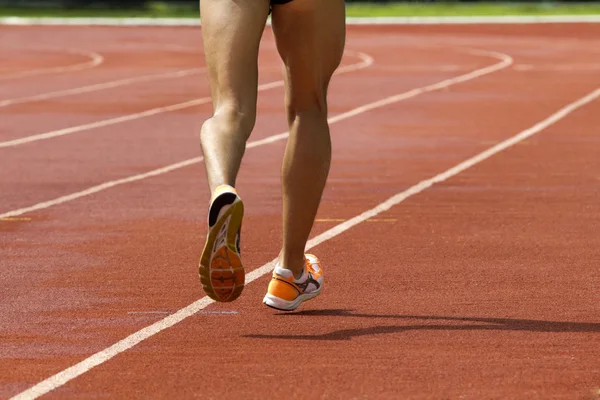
311, 105
234, 118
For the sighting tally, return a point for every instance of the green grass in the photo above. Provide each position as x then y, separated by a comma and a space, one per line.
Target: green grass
158, 9
463, 9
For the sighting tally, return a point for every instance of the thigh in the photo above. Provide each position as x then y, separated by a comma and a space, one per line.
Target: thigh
231, 32
310, 37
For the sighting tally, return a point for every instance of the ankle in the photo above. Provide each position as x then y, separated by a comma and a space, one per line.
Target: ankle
220, 187
296, 265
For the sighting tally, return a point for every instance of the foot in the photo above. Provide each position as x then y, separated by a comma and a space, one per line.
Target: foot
221, 271
286, 293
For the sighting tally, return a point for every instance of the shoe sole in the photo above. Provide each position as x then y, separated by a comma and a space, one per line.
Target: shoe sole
285, 305
221, 271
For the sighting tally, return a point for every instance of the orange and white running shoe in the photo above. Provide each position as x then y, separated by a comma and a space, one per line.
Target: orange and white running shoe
221, 271
286, 293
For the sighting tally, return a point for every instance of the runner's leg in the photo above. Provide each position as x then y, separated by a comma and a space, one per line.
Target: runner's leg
310, 37
231, 31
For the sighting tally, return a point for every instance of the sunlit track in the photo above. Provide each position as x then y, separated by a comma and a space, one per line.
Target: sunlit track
457, 231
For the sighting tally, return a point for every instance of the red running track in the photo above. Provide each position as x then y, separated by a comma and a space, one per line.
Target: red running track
485, 285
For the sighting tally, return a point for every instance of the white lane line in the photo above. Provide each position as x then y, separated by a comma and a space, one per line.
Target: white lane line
477, 20
582, 67
95, 59
101, 187
366, 61
101, 86
504, 63
101, 357
427, 68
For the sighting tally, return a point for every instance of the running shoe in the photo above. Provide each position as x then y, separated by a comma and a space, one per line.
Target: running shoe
286, 293
221, 271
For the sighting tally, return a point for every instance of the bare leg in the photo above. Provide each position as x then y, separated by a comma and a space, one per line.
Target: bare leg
231, 30
310, 36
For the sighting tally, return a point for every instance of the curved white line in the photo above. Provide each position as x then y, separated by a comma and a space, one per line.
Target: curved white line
95, 60
506, 61
154, 46
132, 340
366, 61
